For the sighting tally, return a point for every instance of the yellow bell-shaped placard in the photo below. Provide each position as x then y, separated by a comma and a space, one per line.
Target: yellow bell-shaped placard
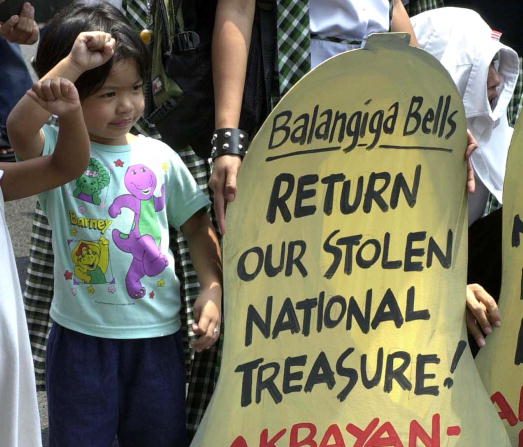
500, 362
345, 267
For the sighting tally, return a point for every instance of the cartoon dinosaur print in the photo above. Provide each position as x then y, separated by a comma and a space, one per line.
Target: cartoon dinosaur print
91, 260
143, 240
92, 182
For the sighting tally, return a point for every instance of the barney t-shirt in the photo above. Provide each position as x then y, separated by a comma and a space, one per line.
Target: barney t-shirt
114, 275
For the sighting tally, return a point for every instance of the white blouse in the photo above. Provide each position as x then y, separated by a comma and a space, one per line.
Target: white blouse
19, 419
348, 20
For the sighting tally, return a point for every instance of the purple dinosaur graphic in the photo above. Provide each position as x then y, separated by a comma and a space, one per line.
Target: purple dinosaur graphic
143, 240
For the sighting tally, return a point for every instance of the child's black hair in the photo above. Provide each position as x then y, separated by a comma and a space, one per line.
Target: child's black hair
60, 33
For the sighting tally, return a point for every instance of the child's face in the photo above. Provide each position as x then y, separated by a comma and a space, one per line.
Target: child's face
110, 113
493, 82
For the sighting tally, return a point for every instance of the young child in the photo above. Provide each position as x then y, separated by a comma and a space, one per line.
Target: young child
114, 356
19, 419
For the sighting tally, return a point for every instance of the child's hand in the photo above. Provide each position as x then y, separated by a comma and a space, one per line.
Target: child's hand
58, 96
92, 49
207, 311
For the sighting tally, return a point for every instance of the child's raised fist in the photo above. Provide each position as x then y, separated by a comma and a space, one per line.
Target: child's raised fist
92, 49
57, 95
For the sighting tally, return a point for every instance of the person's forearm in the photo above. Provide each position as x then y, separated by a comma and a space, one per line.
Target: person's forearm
72, 152
27, 117
204, 249
231, 41
24, 124
401, 22
68, 162
66, 68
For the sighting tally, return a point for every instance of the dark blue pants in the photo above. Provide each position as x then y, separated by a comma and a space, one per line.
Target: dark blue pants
99, 388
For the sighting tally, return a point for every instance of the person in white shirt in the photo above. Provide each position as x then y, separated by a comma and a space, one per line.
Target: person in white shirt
340, 25
485, 72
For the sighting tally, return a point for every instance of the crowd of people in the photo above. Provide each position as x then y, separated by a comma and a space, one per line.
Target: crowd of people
103, 361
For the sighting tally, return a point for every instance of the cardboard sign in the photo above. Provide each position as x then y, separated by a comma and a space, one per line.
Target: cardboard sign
345, 267
501, 361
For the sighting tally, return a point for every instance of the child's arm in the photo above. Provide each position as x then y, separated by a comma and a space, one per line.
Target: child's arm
25, 121
205, 254
71, 156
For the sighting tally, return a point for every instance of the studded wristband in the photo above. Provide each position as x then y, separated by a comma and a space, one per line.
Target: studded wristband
229, 141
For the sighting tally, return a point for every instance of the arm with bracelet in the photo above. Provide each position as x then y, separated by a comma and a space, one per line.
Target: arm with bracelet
231, 40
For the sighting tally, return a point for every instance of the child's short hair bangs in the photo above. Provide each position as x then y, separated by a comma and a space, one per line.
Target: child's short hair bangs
130, 46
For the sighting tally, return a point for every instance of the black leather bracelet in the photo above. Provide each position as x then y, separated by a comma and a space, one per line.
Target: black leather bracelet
229, 141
